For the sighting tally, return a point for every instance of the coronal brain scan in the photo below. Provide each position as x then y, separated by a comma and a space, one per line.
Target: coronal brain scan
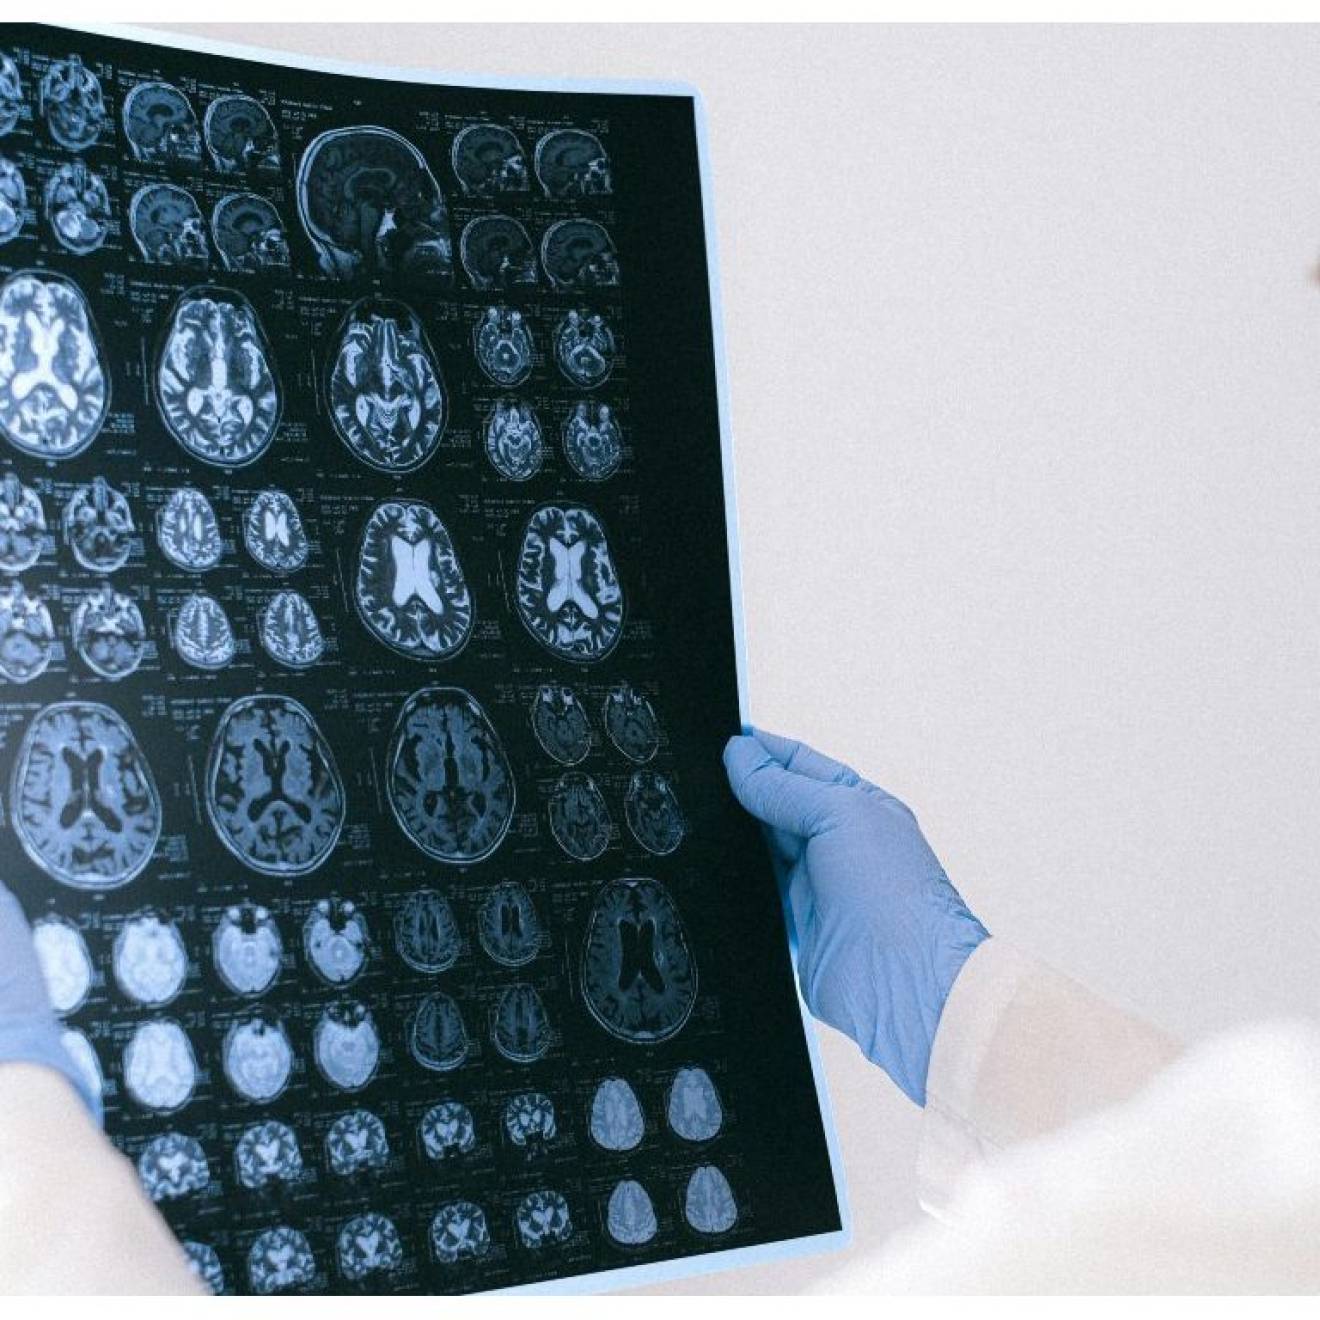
569, 594
27, 634
653, 813
708, 1203
188, 532
356, 1141
289, 631
273, 791
513, 440
83, 800
593, 443
160, 1069
615, 1121
73, 104
520, 1028
497, 254
11, 93
370, 205
426, 932
204, 1261
543, 1219
630, 1214
693, 1110
13, 199
160, 125
631, 723
368, 1244
173, 1165
247, 949
66, 965
639, 978
54, 389
410, 589
257, 1059
215, 383
578, 254
584, 348
571, 162
386, 397
109, 633
579, 818
448, 1129
167, 226
449, 781
150, 960
280, 1260
22, 525
249, 234
336, 940
203, 635
503, 344
437, 1036
346, 1045
273, 532
240, 135
98, 527
267, 1153
508, 926
77, 207
459, 1232
488, 160
560, 723
529, 1121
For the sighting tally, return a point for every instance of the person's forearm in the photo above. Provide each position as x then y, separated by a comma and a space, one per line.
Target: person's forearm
73, 1217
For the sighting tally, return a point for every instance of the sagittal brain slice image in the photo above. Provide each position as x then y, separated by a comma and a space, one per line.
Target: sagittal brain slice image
426, 932
247, 950
520, 1028
630, 1214
249, 234
529, 1121
258, 1059
83, 800
150, 961
160, 125
560, 723
579, 255
488, 160
27, 634
572, 163
386, 396
543, 1219
694, 1111
585, 348
22, 525
188, 531
370, 205
631, 723
708, 1204
513, 440
459, 1232
356, 1141
497, 254
274, 795
167, 226
203, 635
267, 1153
410, 590
240, 135
173, 1165
449, 781
109, 633
289, 631
13, 200
437, 1037
98, 526
568, 591
615, 1121
336, 940
639, 978
507, 925
503, 344
11, 93
273, 532
593, 443
77, 208
653, 813
160, 1069
447, 1130
66, 964
54, 386
215, 383
72, 103
368, 1244
579, 818
280, 1259
346, 1045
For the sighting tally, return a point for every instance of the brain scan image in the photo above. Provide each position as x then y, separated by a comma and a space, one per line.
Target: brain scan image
240, 135
83, 800
188, 531
497, 254
507, 925
631, 723
161, 126
66, 965
513, 440
639, 979
356, 1141
459, 1232
336, 940
585, 348
410, 589
267, 1153
76, 1045
11, 94
693, 1109
249, 234
167, 225
205, 1265
346, 1045
384, 391
150, 961
22, 525
72, 103
273, 533
98, 527
257, 1059
437, 1038
569, 594
173, 1165
215, 383
77, 207
593, 443
572, 163
27, 634
708, 1204
630, 1214
368, 1244
529, 1121
579, 255
13, 200
520, 1028
279, 1260
247, 950
371, 205
54, 387
289, 632
653, 813
543, 1219
273, 791
426, 932
160, 1069
203, 636
579, 818
503, 344
109, 633
616, 1122
488, 160
447, 1129
560, 723
449, 782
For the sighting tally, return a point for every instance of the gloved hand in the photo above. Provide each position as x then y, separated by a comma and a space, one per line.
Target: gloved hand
881, 933
29, 1030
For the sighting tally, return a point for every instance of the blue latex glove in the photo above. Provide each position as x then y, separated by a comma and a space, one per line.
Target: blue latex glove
881, 932
29, 1030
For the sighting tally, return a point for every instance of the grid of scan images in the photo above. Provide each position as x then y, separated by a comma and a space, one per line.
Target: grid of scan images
342, 779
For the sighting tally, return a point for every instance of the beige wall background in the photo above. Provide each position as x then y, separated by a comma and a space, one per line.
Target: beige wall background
1024, 345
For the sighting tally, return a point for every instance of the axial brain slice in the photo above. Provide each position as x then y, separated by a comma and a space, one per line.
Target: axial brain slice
335, 940
560, 723
616, 1122
513, 440
109, 633
160, 1069
11, 93
215, 383
85, 804
273, 532
203, 635
639, 979
708, 1204
77, 206
13, 200
426, 932
653, 813
289, 630
150, 961
66, 965
246, 949
73, 103
449, 782
437, 1037
631, 723
503, 345
579, 819
258, 1059
593, 443
387, 399
507, 925
98, 526
585, 348
569, 594
521, 1029
22, 525
54, 391
188, 531
630, 1214
694, 1110
27, 634
411, 590
346, 1045
274, 794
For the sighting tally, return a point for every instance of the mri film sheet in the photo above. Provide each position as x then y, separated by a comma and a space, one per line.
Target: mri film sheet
367, 650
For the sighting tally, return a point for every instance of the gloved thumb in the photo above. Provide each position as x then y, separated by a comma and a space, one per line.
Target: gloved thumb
775, 796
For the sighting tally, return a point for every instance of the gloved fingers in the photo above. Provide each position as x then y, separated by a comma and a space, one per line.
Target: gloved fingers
803, 760
775, 796
785, 849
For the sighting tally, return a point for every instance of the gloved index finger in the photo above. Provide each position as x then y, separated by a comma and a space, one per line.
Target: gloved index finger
803, 760
776, 796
